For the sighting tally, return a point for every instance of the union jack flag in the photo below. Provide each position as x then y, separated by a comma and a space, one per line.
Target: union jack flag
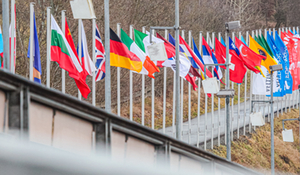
100, 57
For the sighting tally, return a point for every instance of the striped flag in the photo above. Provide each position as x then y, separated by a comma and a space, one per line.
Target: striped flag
100, 56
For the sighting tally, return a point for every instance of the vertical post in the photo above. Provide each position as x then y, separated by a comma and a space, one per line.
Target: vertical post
79, 47
219, 106
94, 61
130, 81
272, 129
152, 95
232, 102
279, 32
48, 45
239, 101
119, 80
63, 74
182, 91
228, 140
178, 118
12, 39
165, 91
107, 58
143, 93
199, 95
5, 19
206, 101
251, 86
189, 103
265, 98
212, 102
226, 87
31, 43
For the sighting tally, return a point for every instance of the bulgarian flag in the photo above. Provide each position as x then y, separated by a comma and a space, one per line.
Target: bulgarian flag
62, 53
149, 68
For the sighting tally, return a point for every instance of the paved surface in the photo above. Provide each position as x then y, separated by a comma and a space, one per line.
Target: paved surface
216, 125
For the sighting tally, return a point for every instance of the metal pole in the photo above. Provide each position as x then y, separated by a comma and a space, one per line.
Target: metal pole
152, 96
79, 47
107, 58
182, 91
12, 39
130, 81
232, 101
189, 103
48, 45
265, 98
178, 118
206, 101
63, 74
5, 20
119, 80
239, 101
212, 103
272, 129
94, 61
31, 43
228, 140
219, 106
226, 87
165, 91
199, 95
251, 86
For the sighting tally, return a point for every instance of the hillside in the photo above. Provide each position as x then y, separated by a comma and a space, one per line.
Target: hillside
254, 151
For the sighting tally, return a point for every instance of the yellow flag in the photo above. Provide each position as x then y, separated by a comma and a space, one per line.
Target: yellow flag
269, 61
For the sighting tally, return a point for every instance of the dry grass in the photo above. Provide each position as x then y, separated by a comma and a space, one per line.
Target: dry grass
255, 151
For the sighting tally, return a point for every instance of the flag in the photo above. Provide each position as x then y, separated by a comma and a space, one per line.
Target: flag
1, 48
149, 68
196, 51
120, 56
251, 60
237, 70
100, 56
14, 41
37, 69
243, 40
284, 54
223, 42
209, 58
62, 53
280, 74
81, 80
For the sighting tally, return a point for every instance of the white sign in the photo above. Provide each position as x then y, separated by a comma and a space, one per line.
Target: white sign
287, 135
257, 119
157, 52
82, 9
210, 86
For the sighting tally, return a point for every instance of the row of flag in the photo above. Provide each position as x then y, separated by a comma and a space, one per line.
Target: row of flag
133, 55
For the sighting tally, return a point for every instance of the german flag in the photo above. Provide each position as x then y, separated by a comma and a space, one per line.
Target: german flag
120, 56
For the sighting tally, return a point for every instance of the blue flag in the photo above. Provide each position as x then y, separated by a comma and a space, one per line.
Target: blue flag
37, 69
243, 40
280, 74
223, 42
197, 51
283, 52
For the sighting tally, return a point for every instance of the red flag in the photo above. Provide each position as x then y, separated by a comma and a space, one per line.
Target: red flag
81, 84
251, 59
237, 70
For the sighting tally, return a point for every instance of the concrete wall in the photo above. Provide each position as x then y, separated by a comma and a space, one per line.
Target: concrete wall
2, 110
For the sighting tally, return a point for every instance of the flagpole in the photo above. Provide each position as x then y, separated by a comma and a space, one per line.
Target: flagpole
219, 104
239, 100
31, 42
251, 86
143, 93
63, 74
265, 98
118, 78
130, 80
12, 38
199, 94
48, 45
182, 91
107, 58
5, 19
79, 48
232, 102
94, 61
165, 91
245, 97
206, 99
189, 103
256, 96
178, 118
152, 96
212, 102
228, 118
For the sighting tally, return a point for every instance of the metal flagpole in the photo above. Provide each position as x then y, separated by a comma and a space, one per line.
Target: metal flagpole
165, 91
5, 19
48, 45
79, 48
182, 91
107, 58
94, 61
272, 129
239, 100
119, 79
227, 105
130, 81
31, 42
255, 96
251, 86
178, 118
219, 106
174, 106
279, 32
297, 98
212, 102
232, 103
143, 93
152, 96
277, 99
189, 103
268, 105
199, 94
12, 39
206, 99
63, 74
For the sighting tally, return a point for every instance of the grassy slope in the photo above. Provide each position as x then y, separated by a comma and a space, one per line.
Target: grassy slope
254, 151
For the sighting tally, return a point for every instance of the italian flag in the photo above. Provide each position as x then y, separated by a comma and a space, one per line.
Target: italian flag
149, 68
62, 53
